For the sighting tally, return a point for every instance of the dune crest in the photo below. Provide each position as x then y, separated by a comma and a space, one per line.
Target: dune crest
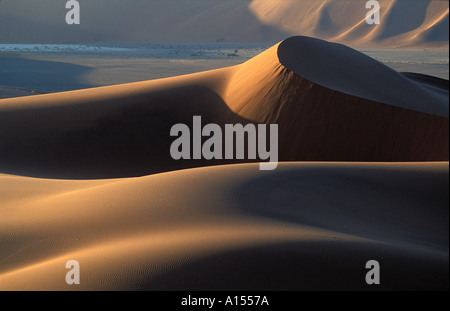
333, 103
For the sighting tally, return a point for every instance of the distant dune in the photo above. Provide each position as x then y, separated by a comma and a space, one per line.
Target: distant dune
304, 226
331, 103
402, 23
412, 23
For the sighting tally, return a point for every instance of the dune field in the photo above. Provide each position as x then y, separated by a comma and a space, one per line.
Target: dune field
87, 175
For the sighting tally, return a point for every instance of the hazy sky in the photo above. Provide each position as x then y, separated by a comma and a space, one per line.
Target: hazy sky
43, 21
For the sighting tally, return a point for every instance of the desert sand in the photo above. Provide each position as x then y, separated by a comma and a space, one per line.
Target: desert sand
303, 226
87, 175
402, 23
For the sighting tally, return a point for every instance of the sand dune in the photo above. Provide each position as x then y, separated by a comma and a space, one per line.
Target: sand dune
402, 23
412, 23
306, 225
219, 227
334, 103
331, 103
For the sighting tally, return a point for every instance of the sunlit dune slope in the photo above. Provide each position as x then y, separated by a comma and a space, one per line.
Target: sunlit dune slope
303, 226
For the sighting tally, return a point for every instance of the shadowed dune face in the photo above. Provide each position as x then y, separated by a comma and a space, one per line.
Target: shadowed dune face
345, 70
132, 140
116, 131
434, 83
331, 103
303, 266
346, 199
35, 74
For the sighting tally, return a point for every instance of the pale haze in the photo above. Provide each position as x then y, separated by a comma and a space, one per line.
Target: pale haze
404, 23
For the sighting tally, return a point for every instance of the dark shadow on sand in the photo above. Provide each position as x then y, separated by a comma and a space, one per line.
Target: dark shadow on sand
40, 75
134, 141
320, 265
390, 205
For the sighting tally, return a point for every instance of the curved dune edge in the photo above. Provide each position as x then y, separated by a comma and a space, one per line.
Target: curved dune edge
152, 232
340, 68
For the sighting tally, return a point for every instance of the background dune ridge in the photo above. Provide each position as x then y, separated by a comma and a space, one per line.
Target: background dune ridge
411, 23
402, 23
